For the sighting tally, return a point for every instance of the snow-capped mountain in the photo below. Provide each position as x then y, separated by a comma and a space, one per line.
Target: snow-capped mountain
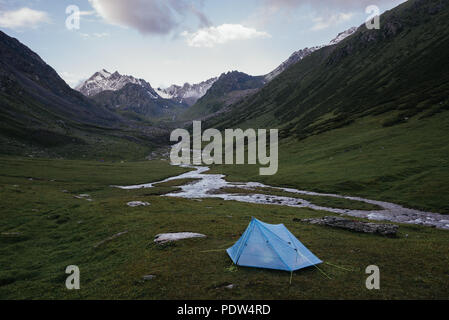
343, 35
294, 58
106, 81
187, 94
301, 54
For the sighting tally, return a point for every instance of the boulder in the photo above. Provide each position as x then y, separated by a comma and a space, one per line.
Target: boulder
149, 277
137, 204
357, 226
169, 237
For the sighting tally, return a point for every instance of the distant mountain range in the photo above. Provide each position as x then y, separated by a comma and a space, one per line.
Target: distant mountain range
401, 69
103, 80
116, 91
187, 94
106, 81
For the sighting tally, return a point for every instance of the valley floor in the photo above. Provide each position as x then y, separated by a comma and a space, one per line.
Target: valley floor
56, 213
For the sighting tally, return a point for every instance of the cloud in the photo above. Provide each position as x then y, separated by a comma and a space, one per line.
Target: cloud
95, 35
23, 18
148, 16
329, 21
71, 79
208, 37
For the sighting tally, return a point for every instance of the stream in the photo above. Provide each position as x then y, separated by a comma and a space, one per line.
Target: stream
209, 185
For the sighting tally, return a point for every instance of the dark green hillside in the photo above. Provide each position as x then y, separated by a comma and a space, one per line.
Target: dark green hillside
367, 117
40, 115
230, 88
403, 67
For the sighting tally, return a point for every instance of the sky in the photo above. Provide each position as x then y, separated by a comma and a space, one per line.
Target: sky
170, 42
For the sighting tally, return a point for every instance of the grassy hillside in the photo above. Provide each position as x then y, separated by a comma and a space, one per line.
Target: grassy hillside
44, 228
402, 67
367, 117
230, 88
407, 163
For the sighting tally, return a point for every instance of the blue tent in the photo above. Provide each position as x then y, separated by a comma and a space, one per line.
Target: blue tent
271, 246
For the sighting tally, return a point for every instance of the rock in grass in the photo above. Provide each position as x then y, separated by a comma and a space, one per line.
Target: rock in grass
137, 204
169, 237
110, 238
357, 226
83, 197
149, 277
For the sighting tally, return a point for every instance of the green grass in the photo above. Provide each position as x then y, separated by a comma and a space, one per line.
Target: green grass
406, 164
56, 230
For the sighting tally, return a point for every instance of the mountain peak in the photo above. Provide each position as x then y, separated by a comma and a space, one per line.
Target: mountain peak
103, 80
189, 93
343, 35
301, 54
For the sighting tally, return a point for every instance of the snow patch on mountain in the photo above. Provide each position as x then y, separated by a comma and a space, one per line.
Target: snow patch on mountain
294, 58
301, 54
343, 35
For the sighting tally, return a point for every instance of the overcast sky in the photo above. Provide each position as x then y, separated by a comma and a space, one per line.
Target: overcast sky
175, 41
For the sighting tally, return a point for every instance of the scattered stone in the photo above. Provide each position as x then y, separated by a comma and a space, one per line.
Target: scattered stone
83, 197
169, 237
357, 226
110, 238
65, 191
149, 277
229, 287
137, 204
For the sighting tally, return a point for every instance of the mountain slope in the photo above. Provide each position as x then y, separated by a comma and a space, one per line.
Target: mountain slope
228, 89
401, 68
233, 87
40, 115
136, 99
27, 80
301, 54
368, 117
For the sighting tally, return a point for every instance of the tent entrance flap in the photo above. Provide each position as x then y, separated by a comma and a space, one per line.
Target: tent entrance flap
269, 246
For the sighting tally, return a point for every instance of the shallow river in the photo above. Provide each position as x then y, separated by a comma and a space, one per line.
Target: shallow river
209, 185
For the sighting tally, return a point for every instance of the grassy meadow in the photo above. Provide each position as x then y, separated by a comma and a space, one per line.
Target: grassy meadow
44, 228
406, 164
